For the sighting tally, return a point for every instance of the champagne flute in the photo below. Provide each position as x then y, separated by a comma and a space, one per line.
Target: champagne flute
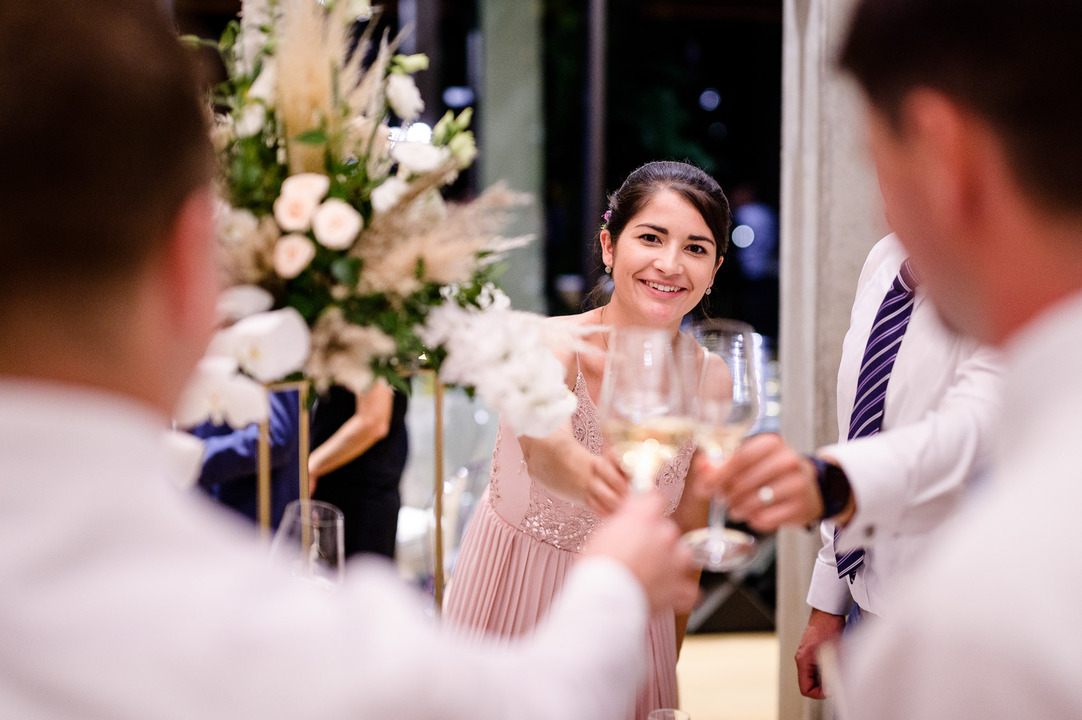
644, 415
310, 542
722, 421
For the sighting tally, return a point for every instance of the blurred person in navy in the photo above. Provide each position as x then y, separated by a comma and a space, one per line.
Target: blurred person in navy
231, 459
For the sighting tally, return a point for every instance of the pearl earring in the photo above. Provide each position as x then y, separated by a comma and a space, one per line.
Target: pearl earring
708, 291
608, 270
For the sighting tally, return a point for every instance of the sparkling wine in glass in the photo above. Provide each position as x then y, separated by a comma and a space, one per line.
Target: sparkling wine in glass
644, 412
722, 419
310, 542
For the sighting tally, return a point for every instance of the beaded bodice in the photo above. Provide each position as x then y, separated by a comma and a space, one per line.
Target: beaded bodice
533, 509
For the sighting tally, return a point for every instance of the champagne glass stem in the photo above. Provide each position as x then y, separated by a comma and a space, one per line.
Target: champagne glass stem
642, 477
716, 519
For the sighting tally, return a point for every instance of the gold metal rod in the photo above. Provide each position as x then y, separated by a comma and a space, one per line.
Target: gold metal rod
263, 474
304, 440
437, 392
263, 489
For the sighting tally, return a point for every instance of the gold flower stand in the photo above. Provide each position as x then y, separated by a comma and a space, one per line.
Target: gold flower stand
263, 487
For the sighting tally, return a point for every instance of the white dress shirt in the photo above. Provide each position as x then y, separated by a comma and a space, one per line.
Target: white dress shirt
122, 598
941, 401
990, 627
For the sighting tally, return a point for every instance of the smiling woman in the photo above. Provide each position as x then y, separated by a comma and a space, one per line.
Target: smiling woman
664, 237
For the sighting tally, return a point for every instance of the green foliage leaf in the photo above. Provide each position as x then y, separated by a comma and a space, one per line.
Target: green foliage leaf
312, 137
346, 270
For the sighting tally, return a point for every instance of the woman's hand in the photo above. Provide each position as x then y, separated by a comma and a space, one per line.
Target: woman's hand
606, 484
571, 471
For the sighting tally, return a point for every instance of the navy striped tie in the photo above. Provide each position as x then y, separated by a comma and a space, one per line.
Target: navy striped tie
883, 343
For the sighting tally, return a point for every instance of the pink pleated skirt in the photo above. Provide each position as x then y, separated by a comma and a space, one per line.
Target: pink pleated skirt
504, 582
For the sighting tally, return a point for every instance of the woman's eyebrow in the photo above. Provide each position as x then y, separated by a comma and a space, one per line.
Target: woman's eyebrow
662, 231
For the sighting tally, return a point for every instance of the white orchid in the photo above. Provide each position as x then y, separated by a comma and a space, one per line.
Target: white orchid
268, 346
240, 301
219, 393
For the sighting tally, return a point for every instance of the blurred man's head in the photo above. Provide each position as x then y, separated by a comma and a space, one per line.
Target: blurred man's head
104, 147
975, 117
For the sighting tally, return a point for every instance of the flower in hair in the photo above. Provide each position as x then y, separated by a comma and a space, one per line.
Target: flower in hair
606, 216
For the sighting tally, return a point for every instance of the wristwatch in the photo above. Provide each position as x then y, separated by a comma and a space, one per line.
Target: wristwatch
833, 486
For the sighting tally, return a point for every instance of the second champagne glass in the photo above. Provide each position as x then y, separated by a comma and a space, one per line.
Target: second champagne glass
644, 411
310, 541
722, 421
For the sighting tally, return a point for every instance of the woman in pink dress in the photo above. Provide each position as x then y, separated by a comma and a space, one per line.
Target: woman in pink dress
666, 230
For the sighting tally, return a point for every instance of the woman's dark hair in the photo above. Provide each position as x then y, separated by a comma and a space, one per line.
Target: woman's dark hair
688, 181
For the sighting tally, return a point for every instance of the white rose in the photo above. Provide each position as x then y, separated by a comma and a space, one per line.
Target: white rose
292, 254
404, 97
293, 211
336, 224
264, 89
387, 195
251, 120
236, 226
241, 301
309, 185
417, 157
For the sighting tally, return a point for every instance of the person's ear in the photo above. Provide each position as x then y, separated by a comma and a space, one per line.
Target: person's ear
951, 143
608, 249
191, 271
713, 275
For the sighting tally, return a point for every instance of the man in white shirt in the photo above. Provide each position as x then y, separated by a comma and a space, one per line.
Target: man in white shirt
122, 599
974, 111
888, 491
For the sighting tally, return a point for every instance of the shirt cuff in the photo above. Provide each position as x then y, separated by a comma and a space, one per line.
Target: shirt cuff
827, 591
879, 498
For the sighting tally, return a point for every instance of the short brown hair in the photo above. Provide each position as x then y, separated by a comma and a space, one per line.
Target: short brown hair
1016, 63
102, 136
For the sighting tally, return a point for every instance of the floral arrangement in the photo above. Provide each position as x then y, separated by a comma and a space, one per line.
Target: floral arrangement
342, 259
